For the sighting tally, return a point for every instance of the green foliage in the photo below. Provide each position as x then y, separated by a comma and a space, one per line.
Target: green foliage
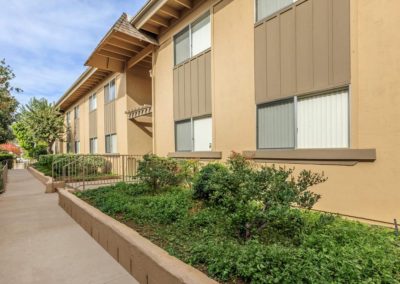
158, 172
8, 103
39, 122
5, 157
255, 200
328, 249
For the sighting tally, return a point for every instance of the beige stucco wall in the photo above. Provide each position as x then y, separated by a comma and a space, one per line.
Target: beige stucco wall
368, 189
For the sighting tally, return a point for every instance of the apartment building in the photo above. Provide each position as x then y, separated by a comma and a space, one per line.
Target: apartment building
309, 84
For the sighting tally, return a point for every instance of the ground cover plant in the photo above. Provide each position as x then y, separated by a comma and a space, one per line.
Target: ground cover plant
239, 224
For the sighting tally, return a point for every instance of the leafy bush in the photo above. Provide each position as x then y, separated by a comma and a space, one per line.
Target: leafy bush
158, 172
38, 151
328, 250
5, 157
257, 199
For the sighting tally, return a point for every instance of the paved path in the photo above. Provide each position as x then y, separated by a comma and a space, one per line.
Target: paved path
40, 243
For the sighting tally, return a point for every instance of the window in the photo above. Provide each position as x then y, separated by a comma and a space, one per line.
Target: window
68, 118
317, 121
69, 150
77, 147
111, 143
93, 145
193, 39
194, 135
109, 92
92, 102
265, 8
76, 112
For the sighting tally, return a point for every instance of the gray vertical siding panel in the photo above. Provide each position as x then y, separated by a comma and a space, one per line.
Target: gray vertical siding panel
273, 59
187, 95
208, 84
192, 88
304, 48
93, 124
260, 64
341, 44
288, 53
109, 118
176, 94
321, 43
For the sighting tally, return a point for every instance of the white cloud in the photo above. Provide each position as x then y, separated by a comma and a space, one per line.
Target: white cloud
46, 42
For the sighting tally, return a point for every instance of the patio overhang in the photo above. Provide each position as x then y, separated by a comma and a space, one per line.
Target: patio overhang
122, 48
89, 79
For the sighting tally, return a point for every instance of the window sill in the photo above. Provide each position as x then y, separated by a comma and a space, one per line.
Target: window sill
344, 157
211, 155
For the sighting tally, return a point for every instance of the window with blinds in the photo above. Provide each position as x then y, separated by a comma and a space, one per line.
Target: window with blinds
193, 39
92, 102
109, 92
93, 145
111, 143
193, 135
265, 8
309, 122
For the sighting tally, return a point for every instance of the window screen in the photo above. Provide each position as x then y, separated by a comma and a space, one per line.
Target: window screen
202, 134
93, 145
323, 121
265, 8
276, 125
183, 136
201, 34
182, 46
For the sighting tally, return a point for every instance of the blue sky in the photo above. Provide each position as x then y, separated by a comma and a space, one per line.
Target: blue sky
46, 42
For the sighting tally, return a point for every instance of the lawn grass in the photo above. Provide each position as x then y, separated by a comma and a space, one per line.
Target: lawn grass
329, 249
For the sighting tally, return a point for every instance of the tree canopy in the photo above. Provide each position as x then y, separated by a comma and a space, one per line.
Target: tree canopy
39, 123
8, 103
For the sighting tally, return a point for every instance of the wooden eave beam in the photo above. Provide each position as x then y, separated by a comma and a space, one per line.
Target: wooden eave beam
128, 39
106, 53
151, 28
167, 10
118, 50
123, 44
185, 3
159, 20
140, 56
145, 18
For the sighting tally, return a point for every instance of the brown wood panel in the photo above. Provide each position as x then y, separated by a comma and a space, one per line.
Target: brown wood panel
93, 124
201, 61
273, 59
187, 95
194, 87
321, 43
176, 94
208, 84
109, 118
340, 41
260, 64
288, 52
304, 46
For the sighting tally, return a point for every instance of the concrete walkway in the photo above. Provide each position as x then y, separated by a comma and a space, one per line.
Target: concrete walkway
40, 243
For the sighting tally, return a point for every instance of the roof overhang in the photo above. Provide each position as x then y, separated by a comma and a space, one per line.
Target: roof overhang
89, 79
122, 48
157, 16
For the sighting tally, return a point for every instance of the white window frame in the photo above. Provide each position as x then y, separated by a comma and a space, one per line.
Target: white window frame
93, 150
295, 101
111, 148
192, 120
108, 99
256, 19
76, 112
92, 102
189, 27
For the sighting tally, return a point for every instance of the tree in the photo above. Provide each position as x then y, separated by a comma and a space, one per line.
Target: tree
39, 122
8, 103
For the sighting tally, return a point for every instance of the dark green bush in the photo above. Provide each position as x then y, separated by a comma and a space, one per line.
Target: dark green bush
208, 182
158, 172
7, 158
38, 151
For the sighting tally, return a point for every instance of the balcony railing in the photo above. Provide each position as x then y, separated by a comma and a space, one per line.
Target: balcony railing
89, 171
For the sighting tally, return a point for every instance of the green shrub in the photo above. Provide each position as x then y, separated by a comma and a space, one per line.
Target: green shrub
255, 200
38, 151
6, 158
158, 172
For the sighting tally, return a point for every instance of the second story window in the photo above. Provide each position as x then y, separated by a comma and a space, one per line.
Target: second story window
76, 112
68, 119
92, 102
265, 8
193, 39
109, 92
